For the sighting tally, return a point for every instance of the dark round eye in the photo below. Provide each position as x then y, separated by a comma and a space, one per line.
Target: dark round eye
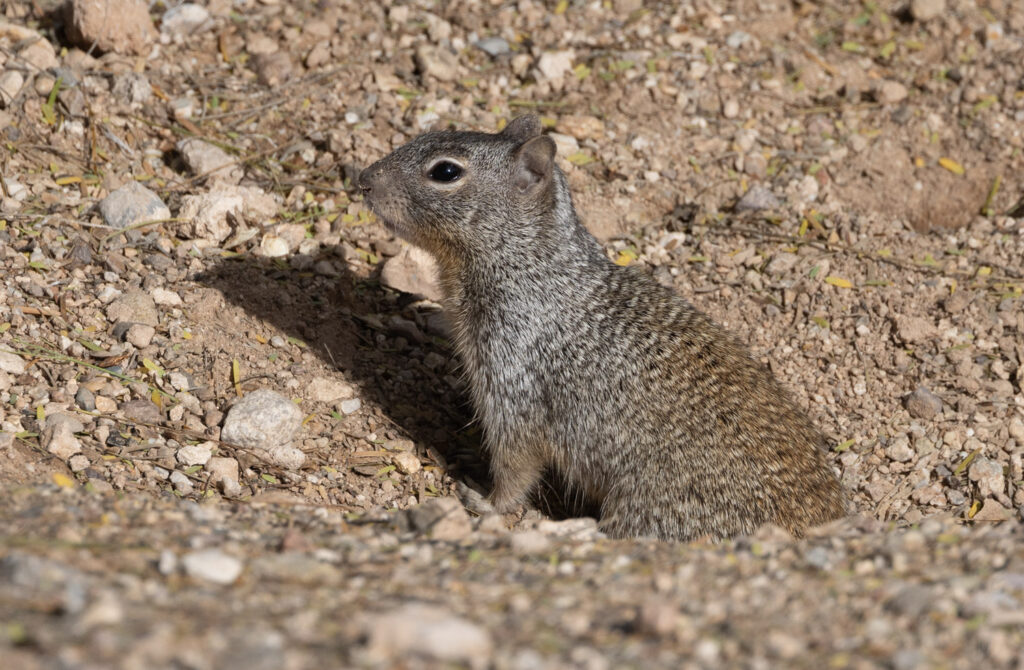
445, 172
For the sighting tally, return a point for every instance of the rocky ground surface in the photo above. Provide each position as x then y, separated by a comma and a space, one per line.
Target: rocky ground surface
231, 423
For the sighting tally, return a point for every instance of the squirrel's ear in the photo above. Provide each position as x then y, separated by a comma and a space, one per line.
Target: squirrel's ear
522, 128
535, 161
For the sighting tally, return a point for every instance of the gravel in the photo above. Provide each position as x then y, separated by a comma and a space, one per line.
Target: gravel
874, 274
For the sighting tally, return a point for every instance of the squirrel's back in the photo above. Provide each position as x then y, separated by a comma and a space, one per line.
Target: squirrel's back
640, 402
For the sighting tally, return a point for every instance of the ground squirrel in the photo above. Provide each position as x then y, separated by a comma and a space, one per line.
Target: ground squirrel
634, 398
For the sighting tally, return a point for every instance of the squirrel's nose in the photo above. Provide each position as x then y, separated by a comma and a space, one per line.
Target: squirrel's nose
363, 181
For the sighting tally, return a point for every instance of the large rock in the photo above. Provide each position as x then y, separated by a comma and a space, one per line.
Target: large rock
412, 271
123, 26
58, 436
11, 362
207, 214
132, 204
265, 421
34, 49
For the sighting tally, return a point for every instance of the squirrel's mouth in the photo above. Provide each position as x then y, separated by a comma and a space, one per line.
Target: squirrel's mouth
389, 222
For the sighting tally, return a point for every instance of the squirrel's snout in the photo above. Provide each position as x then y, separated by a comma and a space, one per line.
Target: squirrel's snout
364, 181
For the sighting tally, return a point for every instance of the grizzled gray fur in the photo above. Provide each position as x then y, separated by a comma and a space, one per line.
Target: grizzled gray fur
637, 400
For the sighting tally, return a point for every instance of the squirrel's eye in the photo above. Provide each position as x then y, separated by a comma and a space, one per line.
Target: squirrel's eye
445, 172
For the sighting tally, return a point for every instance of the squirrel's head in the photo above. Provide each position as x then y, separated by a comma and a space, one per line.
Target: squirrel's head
454, 191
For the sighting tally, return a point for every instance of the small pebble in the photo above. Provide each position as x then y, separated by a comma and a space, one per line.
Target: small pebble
329, 389
493, 46
182, 484
923, 404
406, 462
350, 406
757, 198
85, 399
212, 565
78, 463
194, 454
428, 631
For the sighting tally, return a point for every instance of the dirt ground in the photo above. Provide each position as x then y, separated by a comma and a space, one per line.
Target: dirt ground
840, 183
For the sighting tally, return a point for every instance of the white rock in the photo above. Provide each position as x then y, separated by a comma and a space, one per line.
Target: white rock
285, 456
229, 487
1017, 430
40, 54
140, 335
802, 191
926, 10
185, 20
781, 263
11, 82
530, 543
899, 450
11, 362
179, 380
210, 161
195, 454
212, 565
577, 528
989, 476
890, 92
437, 63
266, 421
273, 246
207, 214
220, 467
565, 145
324, 389
554, 65
78, 463
162, 296
350, 406
406, 462
59, 439
182, 484
414, 271
428, 631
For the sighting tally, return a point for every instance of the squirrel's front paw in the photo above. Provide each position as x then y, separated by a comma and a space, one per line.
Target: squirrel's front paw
472, 500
